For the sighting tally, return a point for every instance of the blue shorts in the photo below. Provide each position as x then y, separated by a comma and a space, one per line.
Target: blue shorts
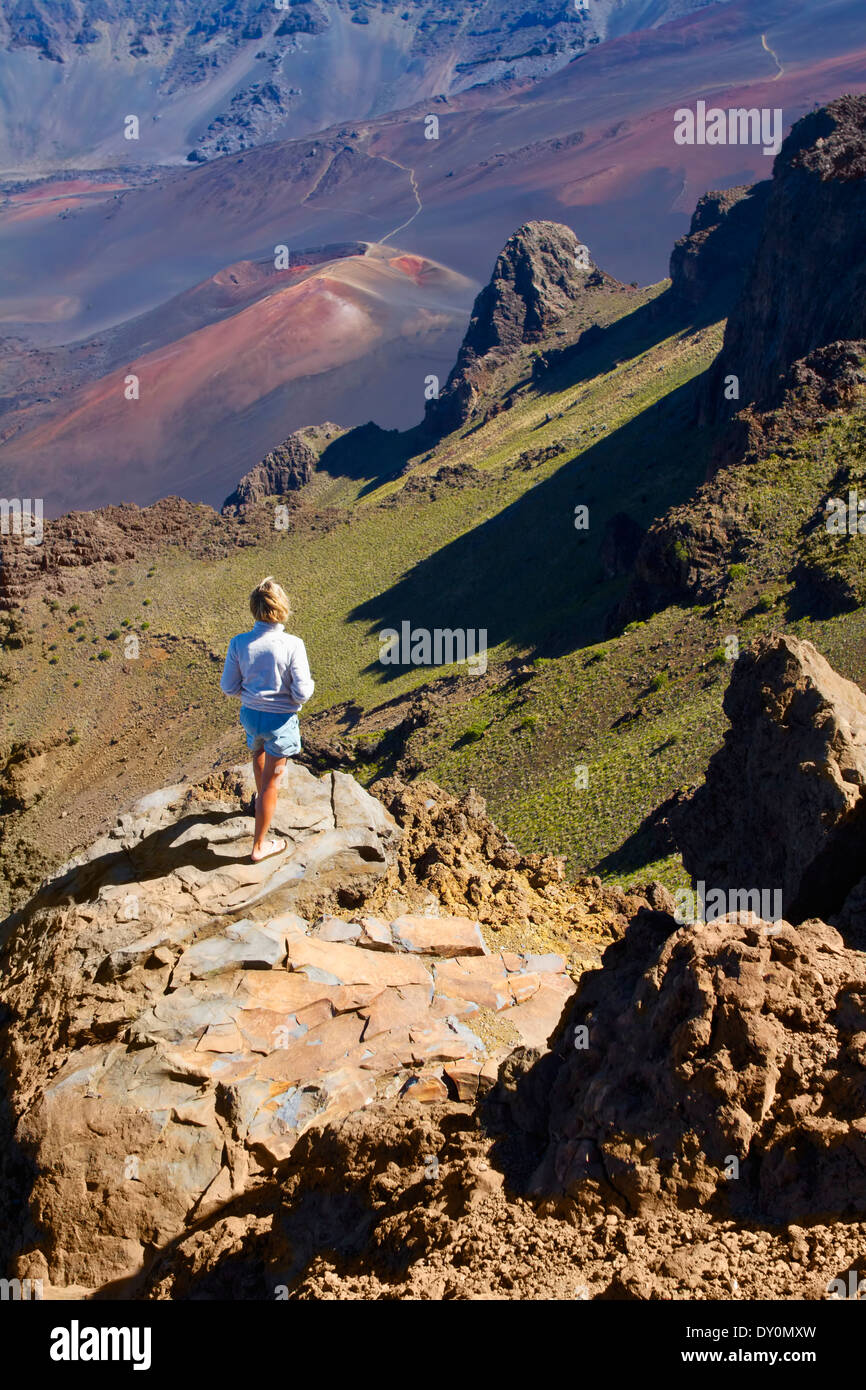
278, 733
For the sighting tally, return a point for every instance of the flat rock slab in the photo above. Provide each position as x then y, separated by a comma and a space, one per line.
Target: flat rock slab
234, 1023
216, 955
439, 936
336, 963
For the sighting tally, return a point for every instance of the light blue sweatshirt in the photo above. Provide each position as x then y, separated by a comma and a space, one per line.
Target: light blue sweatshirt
268, 669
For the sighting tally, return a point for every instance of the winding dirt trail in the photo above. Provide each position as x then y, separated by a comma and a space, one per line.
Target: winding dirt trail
775, 57
414, 184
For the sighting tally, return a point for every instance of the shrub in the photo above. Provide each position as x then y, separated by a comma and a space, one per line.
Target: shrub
680, 553
659, 681
475, 732
736, 573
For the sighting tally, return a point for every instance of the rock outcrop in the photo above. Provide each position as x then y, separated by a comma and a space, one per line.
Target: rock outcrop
317, 1077
701, 1120
782, 807
283, 470
719, 1066
541, 273
710, 262
204, 1012
806, 285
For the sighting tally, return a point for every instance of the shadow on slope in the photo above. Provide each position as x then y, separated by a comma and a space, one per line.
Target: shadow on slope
526, 575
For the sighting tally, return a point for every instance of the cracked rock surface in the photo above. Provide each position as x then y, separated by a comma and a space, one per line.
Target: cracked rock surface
181, 1016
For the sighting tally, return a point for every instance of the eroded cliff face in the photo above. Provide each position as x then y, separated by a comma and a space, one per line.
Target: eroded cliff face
806, 285
711, 261
543, 271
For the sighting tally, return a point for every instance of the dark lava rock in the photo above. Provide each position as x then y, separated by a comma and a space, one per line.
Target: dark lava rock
806, 286
541, 272
782, 806
284, 469
712, 259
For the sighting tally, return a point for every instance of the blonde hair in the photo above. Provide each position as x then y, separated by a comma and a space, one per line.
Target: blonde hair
269, 602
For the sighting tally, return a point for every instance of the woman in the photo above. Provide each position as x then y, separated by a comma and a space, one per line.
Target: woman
268, 669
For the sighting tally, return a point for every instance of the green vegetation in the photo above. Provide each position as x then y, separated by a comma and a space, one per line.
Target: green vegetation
639, 706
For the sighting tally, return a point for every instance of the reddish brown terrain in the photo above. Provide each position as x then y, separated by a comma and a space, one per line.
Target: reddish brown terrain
91, 276
216, 389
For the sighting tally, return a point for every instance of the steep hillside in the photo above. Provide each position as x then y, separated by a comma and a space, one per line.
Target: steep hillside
615, 554
223, 78
465, 524
407, 1062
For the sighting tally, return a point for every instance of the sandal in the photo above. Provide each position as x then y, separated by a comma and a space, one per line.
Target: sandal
282, 847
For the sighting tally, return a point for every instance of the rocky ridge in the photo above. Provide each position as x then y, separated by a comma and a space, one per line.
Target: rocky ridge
205, 1012
806, 284
697, 1129
686, 554
542, 273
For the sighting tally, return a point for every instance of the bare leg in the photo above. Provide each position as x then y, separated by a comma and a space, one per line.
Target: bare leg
266, 804
259, 770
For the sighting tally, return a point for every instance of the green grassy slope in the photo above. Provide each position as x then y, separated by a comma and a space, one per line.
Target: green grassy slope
490, 544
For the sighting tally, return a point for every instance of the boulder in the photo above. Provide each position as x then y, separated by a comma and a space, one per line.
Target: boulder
782, 808
176, 1025
719, 1066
